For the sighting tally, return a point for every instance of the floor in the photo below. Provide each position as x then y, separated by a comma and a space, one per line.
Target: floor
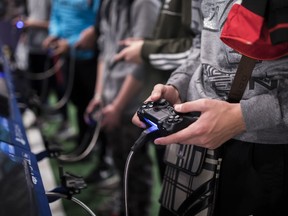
99, 201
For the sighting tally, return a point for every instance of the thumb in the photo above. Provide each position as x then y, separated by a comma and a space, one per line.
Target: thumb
189, 106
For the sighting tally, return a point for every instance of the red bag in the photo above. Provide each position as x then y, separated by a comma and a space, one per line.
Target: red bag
258, 29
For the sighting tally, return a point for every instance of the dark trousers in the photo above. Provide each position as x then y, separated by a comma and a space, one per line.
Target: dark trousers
253, 180
83, 88
139, 185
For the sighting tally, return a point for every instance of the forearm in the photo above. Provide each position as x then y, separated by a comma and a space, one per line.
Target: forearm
129, 89
166, 54
37, 24
99, 81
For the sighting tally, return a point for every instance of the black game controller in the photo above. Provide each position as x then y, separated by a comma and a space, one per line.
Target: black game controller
162, 117
95, 116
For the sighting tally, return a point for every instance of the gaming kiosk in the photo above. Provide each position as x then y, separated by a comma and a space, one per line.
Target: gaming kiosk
22, 190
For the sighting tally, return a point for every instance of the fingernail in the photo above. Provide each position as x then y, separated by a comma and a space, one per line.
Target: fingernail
156, 141
177, 107
142, 125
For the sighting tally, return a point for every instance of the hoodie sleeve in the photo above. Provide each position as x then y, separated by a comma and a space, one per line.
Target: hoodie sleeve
143, 20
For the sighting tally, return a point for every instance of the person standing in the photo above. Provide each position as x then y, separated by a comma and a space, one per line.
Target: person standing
69, 20
252, 133
119, 90
169, 47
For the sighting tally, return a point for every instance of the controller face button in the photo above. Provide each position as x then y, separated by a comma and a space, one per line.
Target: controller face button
171, 109
162, 102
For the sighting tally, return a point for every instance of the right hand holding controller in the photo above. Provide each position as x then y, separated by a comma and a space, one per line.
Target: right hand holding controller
219, 120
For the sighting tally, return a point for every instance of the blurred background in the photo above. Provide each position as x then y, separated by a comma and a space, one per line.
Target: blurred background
36, 81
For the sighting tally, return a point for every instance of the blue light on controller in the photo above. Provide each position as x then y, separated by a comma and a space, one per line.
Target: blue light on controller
20, 24
153, 127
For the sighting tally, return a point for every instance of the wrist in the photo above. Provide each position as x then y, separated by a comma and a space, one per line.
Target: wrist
97, 96
117, 105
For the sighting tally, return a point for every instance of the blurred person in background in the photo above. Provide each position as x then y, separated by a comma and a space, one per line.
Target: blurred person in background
30, 55
119, 89
166, 50
69, 21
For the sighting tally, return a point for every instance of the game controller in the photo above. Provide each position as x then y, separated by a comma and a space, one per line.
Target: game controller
95, 116
161, 116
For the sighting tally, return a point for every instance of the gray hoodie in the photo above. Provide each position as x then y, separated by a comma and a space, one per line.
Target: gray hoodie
120, 20
209, 72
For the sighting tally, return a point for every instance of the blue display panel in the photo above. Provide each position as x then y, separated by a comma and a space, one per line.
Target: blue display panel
22, 191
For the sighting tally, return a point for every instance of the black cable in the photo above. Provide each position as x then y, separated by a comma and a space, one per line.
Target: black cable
66, 96
146, 136
83, 150
47, 73
126, 181
64, 100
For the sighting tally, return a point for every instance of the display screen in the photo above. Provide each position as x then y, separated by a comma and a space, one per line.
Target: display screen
4, 130
17, 193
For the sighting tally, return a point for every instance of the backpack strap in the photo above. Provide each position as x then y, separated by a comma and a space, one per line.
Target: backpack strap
242, 76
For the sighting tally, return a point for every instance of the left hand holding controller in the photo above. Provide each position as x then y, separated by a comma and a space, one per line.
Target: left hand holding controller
62, 47
219, 122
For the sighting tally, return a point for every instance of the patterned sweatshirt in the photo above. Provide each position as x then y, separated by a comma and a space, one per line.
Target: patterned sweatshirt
120, 20
209, 72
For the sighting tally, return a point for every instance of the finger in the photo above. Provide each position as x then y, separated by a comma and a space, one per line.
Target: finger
138, 122
126, 42
120, 56
157, 92
89, 108
197, 105
180, 137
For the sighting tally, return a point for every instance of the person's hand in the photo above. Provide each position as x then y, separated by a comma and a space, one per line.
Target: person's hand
132, 52
61, 47
87, 39
219, 121
49, 42
111, 117
94, 103
167, 92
